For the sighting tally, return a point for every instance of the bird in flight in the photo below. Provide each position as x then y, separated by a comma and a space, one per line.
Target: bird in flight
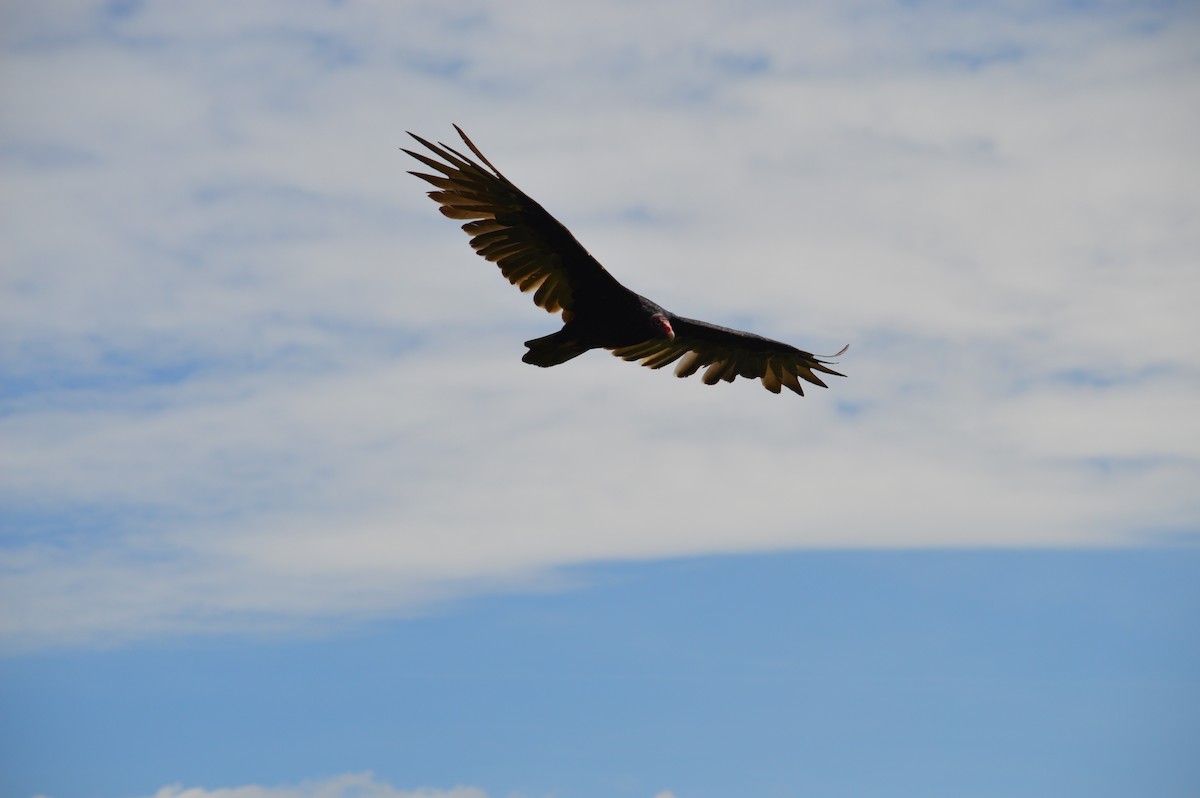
537, 253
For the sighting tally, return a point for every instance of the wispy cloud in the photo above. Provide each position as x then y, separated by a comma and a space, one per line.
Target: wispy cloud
253, 379
349, 785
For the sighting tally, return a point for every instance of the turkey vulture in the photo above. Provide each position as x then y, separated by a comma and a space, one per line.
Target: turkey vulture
537, 253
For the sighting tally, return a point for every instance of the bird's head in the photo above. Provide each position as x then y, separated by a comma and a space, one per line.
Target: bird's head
662, 326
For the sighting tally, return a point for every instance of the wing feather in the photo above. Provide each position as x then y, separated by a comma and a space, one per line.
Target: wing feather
727, 354
484, 226
518, 270
690, 364
533, 281
770, 378
664, 357
510, 228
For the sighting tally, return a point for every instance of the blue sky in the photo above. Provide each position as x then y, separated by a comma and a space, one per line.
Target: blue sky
273, 469
990, 673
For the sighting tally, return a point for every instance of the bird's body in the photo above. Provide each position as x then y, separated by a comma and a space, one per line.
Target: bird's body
537, 253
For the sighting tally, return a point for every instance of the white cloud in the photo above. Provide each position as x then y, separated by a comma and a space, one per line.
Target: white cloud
349, 785
255, 380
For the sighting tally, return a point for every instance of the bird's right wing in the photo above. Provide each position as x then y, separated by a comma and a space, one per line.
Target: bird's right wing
532, 248
729, 354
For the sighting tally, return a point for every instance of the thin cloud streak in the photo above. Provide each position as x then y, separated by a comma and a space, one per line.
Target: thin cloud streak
357, 785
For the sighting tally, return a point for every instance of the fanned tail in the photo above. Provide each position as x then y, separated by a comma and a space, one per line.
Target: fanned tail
550, 350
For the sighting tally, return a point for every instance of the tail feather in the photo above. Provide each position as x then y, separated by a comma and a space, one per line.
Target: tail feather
550, 350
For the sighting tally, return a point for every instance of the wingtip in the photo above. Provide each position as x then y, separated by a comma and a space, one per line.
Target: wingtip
827, 360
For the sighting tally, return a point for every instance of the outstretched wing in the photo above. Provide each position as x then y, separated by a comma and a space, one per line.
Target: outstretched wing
729, 354
532, 248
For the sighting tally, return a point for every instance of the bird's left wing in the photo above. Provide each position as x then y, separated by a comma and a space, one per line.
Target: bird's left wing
729, 354
532, 248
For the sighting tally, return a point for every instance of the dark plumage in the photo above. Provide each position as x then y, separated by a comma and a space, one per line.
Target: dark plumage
536, 253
